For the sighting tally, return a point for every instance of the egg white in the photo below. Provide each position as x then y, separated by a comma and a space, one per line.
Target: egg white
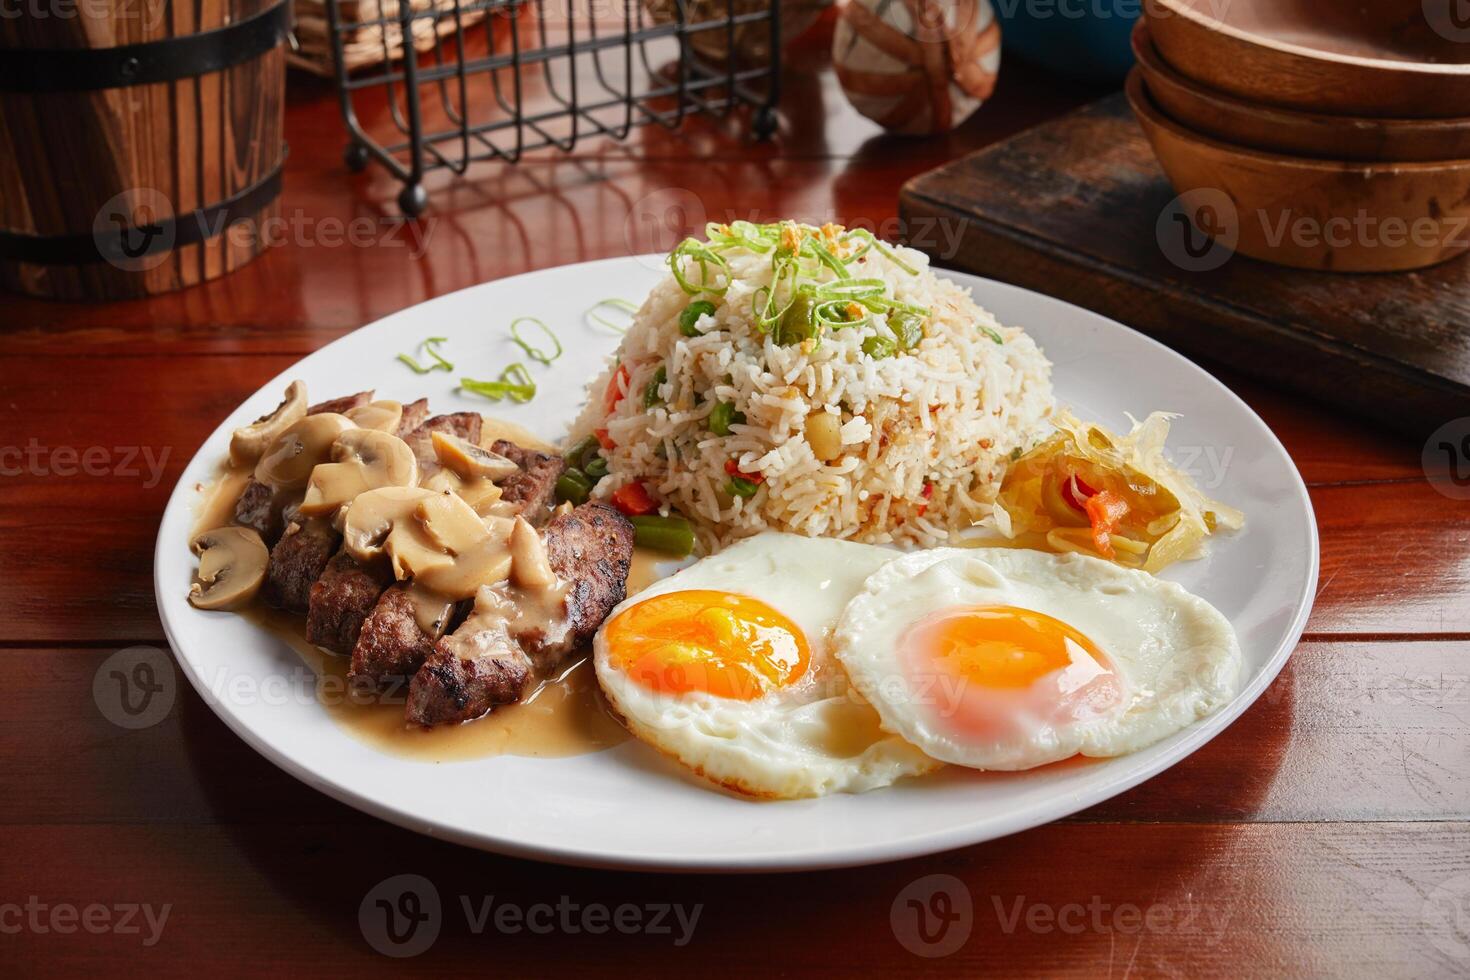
1177, 655
812, 737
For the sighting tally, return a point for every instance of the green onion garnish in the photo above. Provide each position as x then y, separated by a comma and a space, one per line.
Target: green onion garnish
722, 416
428, 347
534, 353
691, 314
863, 235
515, 383
705, 256
672, 535
622, 305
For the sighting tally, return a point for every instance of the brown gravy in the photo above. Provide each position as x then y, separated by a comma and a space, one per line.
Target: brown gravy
566, 716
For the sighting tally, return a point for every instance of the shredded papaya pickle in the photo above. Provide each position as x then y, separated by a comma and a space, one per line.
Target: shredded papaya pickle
1089, 491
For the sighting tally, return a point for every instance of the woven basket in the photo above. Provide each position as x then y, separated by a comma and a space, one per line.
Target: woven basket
363, 45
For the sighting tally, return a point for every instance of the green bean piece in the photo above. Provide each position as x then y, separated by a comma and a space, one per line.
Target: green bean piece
907, 327
577, 456
595, 469
650, 393
691, 315
722, 416
573, 486
671, 535
878, 347
799, 322
740, 487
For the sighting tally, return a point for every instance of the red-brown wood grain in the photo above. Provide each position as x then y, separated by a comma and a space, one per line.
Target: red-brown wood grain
1324, 833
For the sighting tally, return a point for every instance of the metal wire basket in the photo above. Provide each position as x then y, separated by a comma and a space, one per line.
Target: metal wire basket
513, 76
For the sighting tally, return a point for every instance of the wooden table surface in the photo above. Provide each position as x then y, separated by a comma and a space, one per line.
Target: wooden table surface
1327, 832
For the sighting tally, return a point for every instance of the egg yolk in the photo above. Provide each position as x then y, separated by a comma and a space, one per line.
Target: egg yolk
1016, 669
731, 646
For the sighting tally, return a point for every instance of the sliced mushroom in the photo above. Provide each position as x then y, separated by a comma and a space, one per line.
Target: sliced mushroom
365, 459
451, 523
487, 562
232, 562
373, 518
530, 568
381, 415
299, 449
470, 461
250, 441
433, 538
481, 494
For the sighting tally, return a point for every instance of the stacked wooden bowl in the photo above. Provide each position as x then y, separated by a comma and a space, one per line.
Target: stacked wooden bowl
1338, 132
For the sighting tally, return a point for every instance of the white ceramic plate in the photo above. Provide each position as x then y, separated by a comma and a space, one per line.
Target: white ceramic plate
626, 807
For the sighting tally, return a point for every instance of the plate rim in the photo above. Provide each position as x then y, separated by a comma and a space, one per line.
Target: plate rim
813, 859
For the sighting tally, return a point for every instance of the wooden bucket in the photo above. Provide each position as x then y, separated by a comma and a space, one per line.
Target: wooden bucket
140, 142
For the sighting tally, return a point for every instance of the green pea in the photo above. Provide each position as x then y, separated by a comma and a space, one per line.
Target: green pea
691, 315
722, 417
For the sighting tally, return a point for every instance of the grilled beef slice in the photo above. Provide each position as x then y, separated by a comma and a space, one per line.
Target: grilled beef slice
533, 489
342, 599
298, 560
414, 414
392, 645
493, 660
466, 425
342, 405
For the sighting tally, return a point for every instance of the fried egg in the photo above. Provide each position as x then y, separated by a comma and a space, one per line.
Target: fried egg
1009, 659
727, 667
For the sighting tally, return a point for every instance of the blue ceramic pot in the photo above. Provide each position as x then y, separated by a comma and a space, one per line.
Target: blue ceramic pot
1086, 39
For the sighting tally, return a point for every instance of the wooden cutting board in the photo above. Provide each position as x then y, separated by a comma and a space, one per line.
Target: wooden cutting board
1072, 209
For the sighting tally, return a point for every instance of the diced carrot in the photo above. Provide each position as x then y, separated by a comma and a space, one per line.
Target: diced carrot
1105, 510
732, 468
604, 440
633, 499
617, 387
